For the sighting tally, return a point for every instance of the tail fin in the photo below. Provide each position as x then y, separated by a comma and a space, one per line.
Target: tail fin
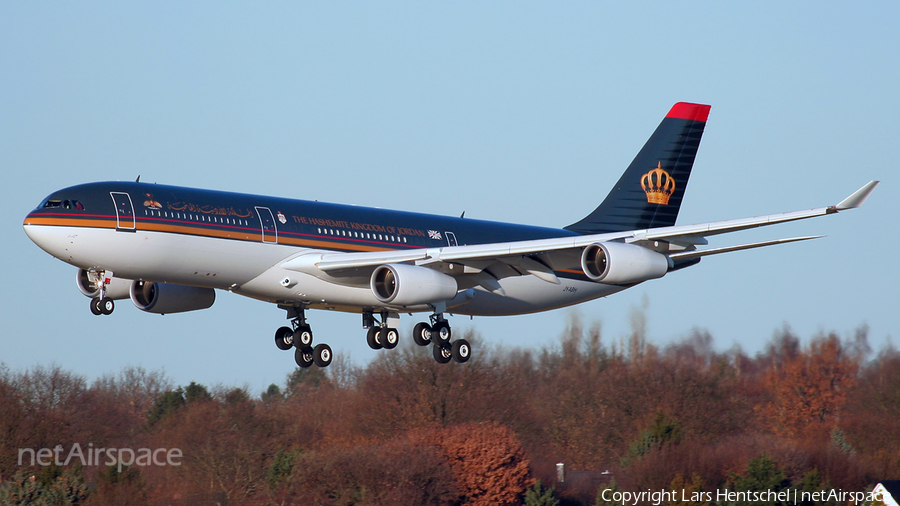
649, 193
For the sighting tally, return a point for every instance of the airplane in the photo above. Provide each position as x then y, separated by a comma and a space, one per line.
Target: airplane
168, 249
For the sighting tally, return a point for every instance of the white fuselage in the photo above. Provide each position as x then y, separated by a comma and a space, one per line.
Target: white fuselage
253, 269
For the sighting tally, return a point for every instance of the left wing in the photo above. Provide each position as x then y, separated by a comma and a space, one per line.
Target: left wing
544, 256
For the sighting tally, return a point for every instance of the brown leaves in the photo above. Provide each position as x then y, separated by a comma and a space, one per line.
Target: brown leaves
406, 430
487, 460
809, 388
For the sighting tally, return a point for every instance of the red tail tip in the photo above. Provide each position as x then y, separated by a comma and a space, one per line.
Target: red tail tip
693, 112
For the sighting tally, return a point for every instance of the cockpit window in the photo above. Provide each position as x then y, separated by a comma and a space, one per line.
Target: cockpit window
65, 204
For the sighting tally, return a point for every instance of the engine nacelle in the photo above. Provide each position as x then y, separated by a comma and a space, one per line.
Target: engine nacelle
616, 263
163, 298
117, 288
411, 285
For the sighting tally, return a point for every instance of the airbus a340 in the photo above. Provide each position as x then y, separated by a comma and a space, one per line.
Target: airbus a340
168, 249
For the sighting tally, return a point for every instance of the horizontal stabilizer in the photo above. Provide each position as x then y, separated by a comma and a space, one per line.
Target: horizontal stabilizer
687, 255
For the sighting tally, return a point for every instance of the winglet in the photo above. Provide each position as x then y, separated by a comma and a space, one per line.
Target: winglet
858, 197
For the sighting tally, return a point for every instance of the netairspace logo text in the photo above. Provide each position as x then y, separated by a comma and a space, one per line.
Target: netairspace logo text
659, 497
91, 456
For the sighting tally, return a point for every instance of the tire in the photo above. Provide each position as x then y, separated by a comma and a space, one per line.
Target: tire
303, 337
107, 306
440, 333
422, 334
389, 338
442, 354
95, 306
322, 355
372, 338
284, 338
304, 358
461, 351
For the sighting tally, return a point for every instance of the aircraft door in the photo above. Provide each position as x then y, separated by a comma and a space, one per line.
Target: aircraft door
124, 211
267, 221
451, 239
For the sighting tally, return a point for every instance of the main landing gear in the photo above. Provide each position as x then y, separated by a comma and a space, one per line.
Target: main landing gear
437, 334
299, 336
381, 334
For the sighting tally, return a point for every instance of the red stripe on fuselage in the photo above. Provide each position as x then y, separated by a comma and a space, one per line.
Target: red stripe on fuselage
214, 230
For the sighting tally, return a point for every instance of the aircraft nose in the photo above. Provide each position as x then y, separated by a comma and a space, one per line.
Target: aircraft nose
46, 237
28, 219
29, 225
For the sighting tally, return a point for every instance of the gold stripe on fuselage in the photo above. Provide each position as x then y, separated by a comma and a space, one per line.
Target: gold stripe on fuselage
203, 232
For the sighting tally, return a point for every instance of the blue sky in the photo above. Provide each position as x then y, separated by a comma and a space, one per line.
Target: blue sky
510, 111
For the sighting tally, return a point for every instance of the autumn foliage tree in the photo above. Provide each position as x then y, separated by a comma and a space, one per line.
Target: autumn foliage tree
487, 460
810, 388
622, 414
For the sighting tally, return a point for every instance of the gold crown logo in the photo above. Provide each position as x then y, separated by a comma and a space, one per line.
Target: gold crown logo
658, 185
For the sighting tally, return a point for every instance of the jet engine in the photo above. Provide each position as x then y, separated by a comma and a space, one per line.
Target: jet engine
616, 263
117, 288
411, 285
164, 298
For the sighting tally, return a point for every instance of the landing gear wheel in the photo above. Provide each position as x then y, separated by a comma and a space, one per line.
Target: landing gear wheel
373, 339
442, 354
461, 350
303, 337
440, 333
422, 334
304, 357
284, 338
389, 338
322, 355
95, 306
107, 305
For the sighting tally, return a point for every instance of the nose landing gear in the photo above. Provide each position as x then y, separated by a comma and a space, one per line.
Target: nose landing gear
101, 305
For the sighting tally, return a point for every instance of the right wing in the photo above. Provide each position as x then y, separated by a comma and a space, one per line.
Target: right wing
543, 257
